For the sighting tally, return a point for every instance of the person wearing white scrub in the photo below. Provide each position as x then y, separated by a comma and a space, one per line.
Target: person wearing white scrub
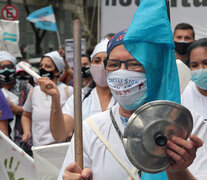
127, 80
97, 100
194, 96
37, 108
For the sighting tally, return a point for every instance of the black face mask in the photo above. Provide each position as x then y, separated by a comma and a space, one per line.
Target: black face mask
7, 76
85, 72
182, 47
44, 73
25, 77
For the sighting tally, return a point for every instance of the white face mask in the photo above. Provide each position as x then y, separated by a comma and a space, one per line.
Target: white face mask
128, 87
99, 74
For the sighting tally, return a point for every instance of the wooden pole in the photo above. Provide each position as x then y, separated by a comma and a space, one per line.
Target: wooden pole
77, 94
99, 22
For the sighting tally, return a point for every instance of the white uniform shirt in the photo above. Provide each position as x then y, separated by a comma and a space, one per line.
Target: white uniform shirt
199, 166
96, 155
105, 166
90, 105
194, 100
40, 107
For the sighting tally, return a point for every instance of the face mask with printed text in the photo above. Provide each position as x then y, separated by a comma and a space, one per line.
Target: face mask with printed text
129, 88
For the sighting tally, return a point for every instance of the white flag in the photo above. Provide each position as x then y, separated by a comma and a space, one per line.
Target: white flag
14, 162
9, 37
49, 159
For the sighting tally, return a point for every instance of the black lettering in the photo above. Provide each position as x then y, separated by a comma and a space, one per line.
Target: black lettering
123, 3
185, 3
137, 2
108, 3
197, 3
173, 3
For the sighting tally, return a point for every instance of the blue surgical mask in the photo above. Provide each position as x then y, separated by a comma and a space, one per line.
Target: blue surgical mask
199, 76
140, 101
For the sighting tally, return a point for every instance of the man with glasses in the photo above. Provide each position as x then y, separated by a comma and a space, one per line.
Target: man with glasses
128, 83
130, 64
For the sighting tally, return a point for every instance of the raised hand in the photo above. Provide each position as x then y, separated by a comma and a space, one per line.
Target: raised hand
48, 86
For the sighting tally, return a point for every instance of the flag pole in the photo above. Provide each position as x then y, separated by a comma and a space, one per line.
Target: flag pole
77, 94
58, 37
57, 32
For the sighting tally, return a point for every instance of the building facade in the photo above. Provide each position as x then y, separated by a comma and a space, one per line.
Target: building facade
65, 12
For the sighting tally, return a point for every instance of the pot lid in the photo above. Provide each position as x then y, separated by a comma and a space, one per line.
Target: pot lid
148, 130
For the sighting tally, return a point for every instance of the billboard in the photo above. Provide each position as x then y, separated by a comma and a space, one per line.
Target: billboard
117, 15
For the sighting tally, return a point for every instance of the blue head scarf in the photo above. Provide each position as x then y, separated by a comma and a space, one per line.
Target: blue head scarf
115, 41
149, 39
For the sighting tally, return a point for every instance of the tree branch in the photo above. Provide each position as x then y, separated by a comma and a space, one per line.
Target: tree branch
28, 12
42, 35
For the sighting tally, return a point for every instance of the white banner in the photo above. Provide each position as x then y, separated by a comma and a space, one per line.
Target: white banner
117, 15
9, 37
49, 159
14, 162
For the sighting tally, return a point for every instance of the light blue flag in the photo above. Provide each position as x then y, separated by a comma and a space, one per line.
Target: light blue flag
44, 19
149, 39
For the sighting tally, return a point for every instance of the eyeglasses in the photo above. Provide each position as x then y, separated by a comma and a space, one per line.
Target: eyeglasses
8, 66
115, 64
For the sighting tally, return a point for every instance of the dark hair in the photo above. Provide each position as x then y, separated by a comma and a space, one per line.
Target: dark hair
84, 55
184, 26
52, 62
109, 35
199, 43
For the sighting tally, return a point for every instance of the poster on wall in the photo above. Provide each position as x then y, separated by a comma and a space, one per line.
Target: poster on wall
117, 15
69, 50
9, 37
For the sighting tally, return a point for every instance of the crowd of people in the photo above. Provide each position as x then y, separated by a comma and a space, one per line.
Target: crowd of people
115, 82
